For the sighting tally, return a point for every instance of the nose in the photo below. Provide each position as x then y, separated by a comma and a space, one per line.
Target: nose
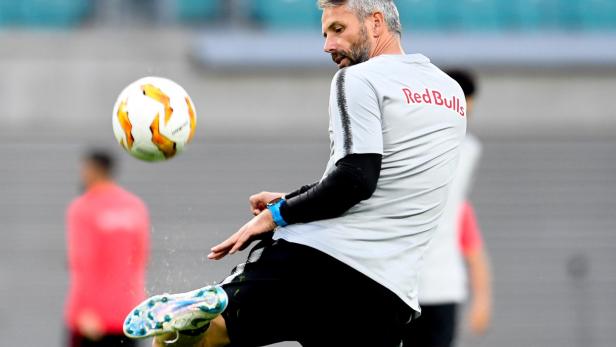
330, 45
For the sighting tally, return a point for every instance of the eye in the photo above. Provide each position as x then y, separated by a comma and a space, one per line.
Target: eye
338, 30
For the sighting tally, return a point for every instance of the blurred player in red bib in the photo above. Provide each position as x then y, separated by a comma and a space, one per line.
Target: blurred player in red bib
108, 244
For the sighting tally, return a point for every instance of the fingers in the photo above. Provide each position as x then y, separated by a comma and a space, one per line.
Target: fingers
257, 202
253, 203
244, 237
220, 252
226, 244
255, 199
217, 255
258, 209
231, 245
222, 249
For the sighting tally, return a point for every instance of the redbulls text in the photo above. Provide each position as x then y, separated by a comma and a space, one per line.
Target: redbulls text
434, 97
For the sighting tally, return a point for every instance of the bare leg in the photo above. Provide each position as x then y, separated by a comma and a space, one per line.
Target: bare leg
214, 336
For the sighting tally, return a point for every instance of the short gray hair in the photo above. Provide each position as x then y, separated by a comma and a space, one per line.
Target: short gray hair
364, 8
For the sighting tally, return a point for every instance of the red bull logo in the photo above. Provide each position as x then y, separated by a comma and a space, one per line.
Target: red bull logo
434, 97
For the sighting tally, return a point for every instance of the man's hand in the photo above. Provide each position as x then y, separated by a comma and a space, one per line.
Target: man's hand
479, 316
260, 224
90, 326
480, 310
258, 202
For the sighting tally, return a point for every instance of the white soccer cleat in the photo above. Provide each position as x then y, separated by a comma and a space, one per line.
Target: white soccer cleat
163, 314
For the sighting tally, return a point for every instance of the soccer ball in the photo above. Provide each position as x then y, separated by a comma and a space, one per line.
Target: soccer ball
153, 119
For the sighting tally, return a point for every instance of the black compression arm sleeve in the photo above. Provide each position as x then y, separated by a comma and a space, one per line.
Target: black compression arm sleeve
354, 179
301, 190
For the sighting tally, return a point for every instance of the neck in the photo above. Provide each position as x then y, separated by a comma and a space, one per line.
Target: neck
99, 182
387, 44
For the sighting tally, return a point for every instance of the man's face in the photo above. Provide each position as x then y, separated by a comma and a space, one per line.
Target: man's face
89, 173
346, 37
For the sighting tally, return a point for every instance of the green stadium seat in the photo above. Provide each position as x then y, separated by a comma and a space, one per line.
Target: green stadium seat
532, 15
53, 13
568, 14
477, 15
421, 15
597, 15
10, 12
287, 14
198, 10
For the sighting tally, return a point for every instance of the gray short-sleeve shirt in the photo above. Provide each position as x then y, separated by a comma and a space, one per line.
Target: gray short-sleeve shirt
405, 108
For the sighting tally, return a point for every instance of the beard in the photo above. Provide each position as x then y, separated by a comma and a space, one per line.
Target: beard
359, 51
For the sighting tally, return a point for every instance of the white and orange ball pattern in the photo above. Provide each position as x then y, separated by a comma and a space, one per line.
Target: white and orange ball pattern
154, 118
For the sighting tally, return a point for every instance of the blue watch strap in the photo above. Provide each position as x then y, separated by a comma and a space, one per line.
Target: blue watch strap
275, 210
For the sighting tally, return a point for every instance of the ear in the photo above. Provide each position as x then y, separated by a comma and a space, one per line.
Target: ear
378, 24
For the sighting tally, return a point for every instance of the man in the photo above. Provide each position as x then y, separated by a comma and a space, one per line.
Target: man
443, 280
108, 241
335, 271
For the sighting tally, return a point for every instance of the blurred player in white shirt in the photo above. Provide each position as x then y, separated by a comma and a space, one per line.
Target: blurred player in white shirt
456, 258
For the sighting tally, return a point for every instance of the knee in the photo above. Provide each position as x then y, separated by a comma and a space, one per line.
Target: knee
173, 340
216, 335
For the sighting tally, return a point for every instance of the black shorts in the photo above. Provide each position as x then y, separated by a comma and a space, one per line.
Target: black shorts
74, 339
290, 292
435, 328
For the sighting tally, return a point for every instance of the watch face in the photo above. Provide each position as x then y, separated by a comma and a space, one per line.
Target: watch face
273, 201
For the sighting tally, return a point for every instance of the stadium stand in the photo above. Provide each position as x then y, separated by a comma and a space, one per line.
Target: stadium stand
492, 16
296, 14
420, 14
475, 15
199, 10
597, 14
44, 13
533, 15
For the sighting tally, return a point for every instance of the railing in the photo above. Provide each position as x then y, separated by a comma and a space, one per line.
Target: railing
416, 15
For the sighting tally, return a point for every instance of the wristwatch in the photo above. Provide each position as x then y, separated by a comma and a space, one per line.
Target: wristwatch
274, 207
